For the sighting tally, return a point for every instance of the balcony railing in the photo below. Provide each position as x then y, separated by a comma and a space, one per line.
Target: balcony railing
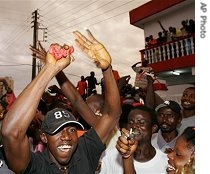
183, 46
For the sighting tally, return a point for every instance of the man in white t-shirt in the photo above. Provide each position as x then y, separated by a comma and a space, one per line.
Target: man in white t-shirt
140, 157
168, 117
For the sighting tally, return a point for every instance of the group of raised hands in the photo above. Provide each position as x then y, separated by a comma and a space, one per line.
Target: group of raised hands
99, 55
91, 47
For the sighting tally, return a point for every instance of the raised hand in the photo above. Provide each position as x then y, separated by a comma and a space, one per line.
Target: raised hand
94, 49
39, 52
61, 56
55, 50
57, 54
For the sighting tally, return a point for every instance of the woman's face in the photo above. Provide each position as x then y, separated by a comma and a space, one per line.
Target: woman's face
180, 156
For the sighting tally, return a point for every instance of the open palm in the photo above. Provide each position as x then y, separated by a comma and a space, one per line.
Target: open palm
94, 49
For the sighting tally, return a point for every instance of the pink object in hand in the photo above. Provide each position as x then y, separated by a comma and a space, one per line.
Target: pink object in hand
59, 52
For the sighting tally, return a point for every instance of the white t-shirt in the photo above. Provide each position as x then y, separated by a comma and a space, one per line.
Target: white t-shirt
112, 140
112, 163
4, 168
159, 142
186, 122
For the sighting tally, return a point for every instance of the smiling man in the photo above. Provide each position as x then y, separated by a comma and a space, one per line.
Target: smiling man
188, 111
135, 154
59, 131
65, 153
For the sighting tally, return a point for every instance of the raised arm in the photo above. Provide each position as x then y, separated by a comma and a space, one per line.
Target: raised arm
22, 112
112, 108
152, 99
96, 52
134, 66
161, 26
69, 90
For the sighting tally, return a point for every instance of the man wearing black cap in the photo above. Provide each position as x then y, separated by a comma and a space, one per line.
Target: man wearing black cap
56, 119
65, 153
168, 117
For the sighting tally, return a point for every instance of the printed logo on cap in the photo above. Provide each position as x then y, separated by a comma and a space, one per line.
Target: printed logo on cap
167, 102
60, 114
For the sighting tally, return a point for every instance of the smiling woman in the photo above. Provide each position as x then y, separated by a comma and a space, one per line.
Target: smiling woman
182, 158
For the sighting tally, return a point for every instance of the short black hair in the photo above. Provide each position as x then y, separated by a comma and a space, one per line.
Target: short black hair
124, 115
189, 136
151, 112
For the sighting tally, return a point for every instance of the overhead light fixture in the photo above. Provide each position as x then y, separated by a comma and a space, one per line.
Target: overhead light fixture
175, 73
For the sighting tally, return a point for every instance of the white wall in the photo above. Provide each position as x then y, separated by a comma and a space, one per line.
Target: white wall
173, 19
173, 92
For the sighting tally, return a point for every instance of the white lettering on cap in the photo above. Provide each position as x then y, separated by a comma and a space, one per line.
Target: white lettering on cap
59, 114
167, 102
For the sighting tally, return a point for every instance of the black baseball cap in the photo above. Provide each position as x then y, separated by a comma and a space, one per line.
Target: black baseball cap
57, 118
174, 106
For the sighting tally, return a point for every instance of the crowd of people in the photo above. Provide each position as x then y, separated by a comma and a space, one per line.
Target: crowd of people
73, 129
187, 28
87, 85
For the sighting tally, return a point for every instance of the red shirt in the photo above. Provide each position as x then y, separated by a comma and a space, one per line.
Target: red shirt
10, 99
82, 87
116, 75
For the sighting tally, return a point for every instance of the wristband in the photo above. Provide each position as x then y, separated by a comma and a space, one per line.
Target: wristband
105, 69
